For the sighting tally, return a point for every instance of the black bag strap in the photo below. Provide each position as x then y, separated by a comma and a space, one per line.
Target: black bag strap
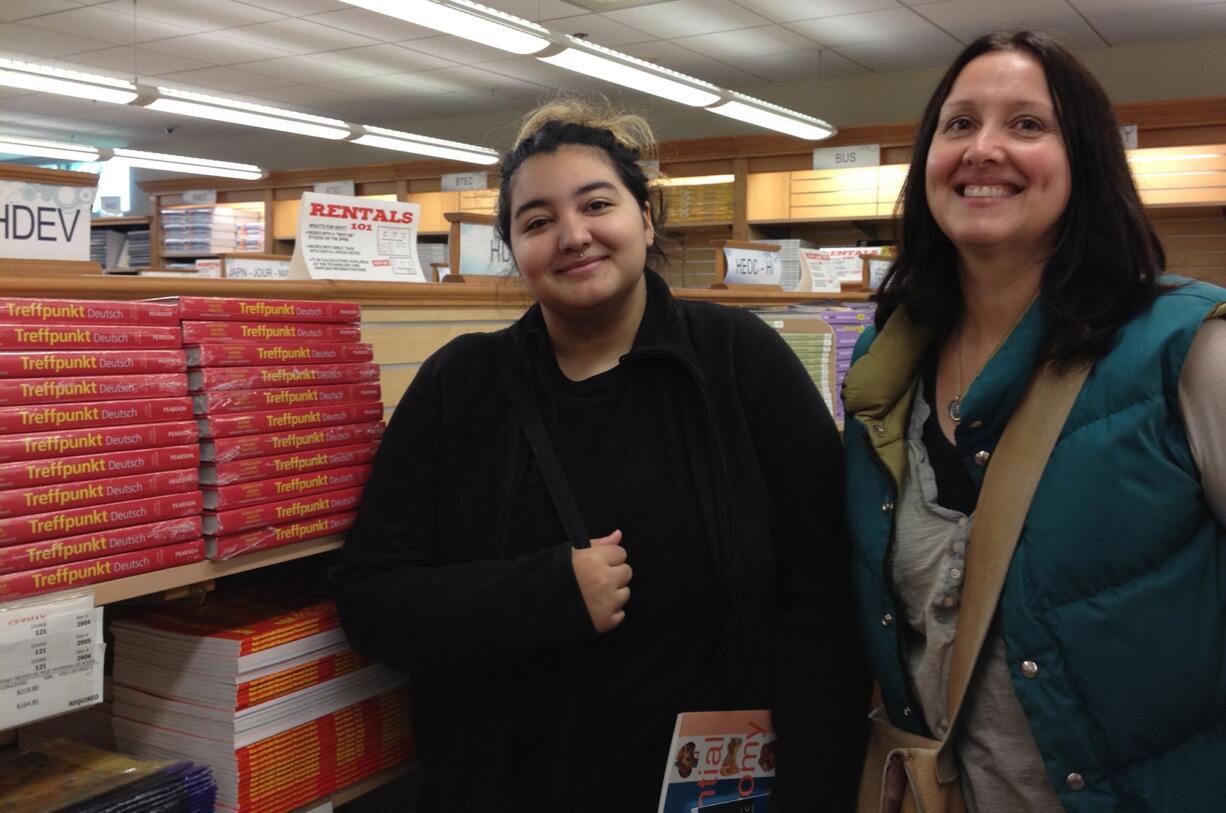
512, 368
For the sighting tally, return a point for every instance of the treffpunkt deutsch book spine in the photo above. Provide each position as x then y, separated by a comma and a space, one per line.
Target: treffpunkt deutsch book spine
260, 423
73, 521
266, 515
17, 391
266, 310
226, 450
221, 548
268, 332
92, 571
221, 498
214, 403
88, 414
86, 312
251, 355
261, 468
89, 337
37, 363
76, 442
215, 379
61, 496
28, 473
51, 552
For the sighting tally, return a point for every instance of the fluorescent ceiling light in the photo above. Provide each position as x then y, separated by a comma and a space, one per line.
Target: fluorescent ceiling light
693, 180
36, 148
424, 145
471, 21
193, 166
637, 74
66, 83
773, 117
253, 115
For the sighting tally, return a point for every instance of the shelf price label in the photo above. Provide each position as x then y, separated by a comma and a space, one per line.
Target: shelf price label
752, 267
51, 653
464, 181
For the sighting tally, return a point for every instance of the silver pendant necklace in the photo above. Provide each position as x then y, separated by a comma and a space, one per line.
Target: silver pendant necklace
954, 409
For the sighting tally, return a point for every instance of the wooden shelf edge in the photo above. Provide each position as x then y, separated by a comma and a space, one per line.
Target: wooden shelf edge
358, 789
127, 220
175, 577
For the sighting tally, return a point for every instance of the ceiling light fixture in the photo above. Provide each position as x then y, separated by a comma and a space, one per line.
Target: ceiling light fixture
37, 148
192, 166
216, 108
43, 79
772, 117
599, 62
693, 180
424, 145
462, 18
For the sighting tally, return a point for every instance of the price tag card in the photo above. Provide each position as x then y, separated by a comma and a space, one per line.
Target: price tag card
257, 268
748, 266
821, 269
51, 653
356, 239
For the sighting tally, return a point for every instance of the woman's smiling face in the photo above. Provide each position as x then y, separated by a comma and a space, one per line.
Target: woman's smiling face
578, 236
997, 175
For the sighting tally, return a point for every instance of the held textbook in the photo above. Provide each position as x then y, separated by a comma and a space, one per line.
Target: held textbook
721, 761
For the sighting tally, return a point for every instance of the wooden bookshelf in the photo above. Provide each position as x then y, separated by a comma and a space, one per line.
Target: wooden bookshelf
176, 578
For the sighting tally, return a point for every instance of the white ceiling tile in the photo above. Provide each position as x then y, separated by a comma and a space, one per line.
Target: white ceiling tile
222, 80
459, 51
483, 84
15, 10
297, 8
215, 48
128, 61
870, 26
1162, 24
378, 60
796, 65
686, 18
379, 112
599, 29
391, 88
529, 69
1089, 7
967, 19
537, 10
902, 54
17, 38
446, 104
106, 26
786, 11
304, 97
729, 46
299, 36
686, 61
302, 69
372, 24
196, 15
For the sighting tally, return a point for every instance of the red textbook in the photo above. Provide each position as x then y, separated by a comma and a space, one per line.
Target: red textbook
215, 308
268, 333
39, 363
86, 312
80, 441
251, 355
225, 450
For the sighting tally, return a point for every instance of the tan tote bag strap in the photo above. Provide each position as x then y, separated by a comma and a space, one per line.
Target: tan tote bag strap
1004, 500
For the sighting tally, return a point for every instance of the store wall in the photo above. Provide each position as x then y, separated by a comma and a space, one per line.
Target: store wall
1174, 70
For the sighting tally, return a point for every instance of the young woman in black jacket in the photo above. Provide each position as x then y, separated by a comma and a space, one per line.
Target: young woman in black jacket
705, 467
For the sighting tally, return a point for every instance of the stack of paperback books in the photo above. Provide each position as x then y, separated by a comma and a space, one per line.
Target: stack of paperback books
71, 776
289, 407
262, 686
98, 454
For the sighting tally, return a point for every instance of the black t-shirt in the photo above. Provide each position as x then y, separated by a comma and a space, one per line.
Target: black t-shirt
955, 488
618, 436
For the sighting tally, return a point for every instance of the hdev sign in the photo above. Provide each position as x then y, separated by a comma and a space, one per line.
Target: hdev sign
44, 221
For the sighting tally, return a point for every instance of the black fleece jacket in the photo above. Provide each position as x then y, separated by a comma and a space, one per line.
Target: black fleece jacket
425, 583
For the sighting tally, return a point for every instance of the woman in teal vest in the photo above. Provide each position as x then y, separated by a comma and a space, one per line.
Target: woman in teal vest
1102, 684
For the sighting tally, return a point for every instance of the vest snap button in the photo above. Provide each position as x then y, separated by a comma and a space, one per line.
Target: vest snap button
887, 506
1030, 670
887, 620
1075, 781
982, 457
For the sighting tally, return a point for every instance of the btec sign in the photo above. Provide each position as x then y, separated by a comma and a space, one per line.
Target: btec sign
44, 222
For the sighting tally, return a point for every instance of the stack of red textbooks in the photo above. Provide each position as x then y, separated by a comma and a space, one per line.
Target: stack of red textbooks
98, 454
289, 407
262, 686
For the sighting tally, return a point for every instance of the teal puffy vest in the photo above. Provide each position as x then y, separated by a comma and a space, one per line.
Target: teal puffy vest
1118, 586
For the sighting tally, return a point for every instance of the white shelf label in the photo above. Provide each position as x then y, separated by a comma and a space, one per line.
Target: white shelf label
51, 653
200, 197
862, 155
748, 266
335, 188
44, 222
464, 181
1128, 132
256, 268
